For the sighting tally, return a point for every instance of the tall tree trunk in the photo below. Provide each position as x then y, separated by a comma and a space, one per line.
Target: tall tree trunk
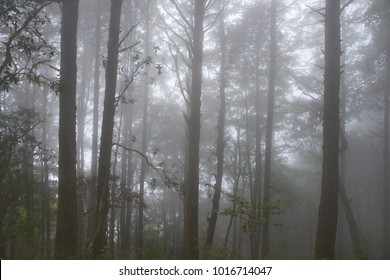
92, 190
328, 209
237, 169
66, 232
220, 138
269, 133
350, 218
127, 180
257, 183
114, 188
386, 179
82, 108
191, 195
140, 224
46, 213
249, 174
99, 241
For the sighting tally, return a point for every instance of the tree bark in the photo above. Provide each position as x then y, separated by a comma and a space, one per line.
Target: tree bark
191, 195
328, 209
220, 139
46, 213
99, 241
66, 232
140, 224
269, 133
256, 204
92, 190
386, 178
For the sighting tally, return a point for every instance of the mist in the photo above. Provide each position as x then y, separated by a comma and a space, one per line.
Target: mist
203, 129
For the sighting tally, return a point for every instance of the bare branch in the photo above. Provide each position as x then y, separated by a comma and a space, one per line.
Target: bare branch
127, 34
345, 6
318, 11
130, 47
181, 13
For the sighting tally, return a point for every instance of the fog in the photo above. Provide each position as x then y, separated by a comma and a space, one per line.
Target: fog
203, 129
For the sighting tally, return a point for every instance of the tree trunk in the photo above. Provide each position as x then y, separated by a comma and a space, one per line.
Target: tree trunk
127, 180
99, 241
46, 213
257, 183
66, 233
328, 209
191, 195
92, 195
386, 179
220, 138
269, 133
140, 224
343, 198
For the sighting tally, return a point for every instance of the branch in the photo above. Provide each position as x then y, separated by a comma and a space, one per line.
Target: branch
345, 6
318, 11
139, 153
129, 47
181, 14
7, 55
128, 33
160, 171
217, 16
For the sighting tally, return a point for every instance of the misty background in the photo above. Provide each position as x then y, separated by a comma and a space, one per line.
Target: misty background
149, 166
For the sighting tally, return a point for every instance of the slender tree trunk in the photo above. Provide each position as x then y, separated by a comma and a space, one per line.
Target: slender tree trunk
123, 190
343, 198
386, 178
82, 109
328, 209
236, 175
66, 232
46, 213
81, 114
92, 190
269, 133
140, 224
220, 138
191, 196
248, 150
99, 241
252, 193
257, 183
127, 178
27, 169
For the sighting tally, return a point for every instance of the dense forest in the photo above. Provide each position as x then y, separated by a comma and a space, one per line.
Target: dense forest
202, 129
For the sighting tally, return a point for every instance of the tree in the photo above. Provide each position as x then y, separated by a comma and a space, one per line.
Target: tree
140, 224
191, 194
66, 232
99, 241
94, 153
269, 132
386, 131
16, 140
220, 137
23, 47
328, 209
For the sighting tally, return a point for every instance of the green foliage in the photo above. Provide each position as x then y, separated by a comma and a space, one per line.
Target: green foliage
244, 209
17, 144
23, 46
20, 185
366, 248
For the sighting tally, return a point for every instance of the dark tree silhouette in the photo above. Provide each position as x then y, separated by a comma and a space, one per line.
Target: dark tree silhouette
328, 209
191, 193
66, 233
99, 241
